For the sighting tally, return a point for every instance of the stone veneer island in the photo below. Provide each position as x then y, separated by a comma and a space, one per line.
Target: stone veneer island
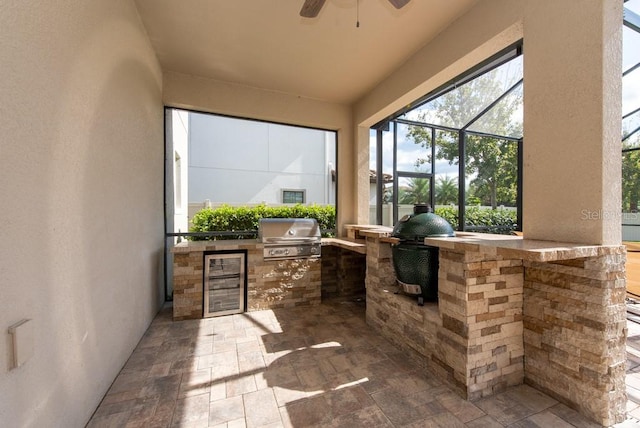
271, 284
512, 311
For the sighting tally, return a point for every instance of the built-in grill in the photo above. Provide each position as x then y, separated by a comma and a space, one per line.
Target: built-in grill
289, 238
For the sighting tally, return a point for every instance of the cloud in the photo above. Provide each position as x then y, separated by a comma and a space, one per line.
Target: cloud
631, 92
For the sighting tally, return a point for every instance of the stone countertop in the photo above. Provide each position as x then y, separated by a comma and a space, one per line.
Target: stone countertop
516, 247
357, 245
507, 246
503, 245
369, 230
224, 244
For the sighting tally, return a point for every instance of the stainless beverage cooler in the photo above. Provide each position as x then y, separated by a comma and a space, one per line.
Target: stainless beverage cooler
225, 283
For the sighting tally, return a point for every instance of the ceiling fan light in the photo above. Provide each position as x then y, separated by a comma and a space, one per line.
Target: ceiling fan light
399, 4
311, 8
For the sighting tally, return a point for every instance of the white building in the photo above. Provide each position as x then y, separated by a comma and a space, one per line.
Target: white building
247, 162
177, 164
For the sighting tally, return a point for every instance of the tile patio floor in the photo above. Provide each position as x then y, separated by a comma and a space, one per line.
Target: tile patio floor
305, 367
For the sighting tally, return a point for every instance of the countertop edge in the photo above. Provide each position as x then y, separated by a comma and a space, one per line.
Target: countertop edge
516, 247
224, 244
357, 245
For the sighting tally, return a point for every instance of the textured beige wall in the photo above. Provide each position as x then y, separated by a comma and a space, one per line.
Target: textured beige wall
81, 173
213, 96
572, 170
361, 170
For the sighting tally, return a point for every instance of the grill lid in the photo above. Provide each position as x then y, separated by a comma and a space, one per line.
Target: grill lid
422, 224
288, 230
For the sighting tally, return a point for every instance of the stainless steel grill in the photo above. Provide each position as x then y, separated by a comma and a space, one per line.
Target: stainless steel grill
289, 238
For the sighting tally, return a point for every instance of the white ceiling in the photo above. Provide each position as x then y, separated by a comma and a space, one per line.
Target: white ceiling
266, 44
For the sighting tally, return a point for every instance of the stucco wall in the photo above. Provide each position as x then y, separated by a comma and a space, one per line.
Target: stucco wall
572, 119
81, 167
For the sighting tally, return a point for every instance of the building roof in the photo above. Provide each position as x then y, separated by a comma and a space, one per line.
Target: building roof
386, 178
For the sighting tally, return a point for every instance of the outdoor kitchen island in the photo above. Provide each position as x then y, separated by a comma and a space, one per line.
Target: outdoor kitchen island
512, 311
271, 284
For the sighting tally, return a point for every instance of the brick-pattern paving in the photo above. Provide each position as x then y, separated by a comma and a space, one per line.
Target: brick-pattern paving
299, 367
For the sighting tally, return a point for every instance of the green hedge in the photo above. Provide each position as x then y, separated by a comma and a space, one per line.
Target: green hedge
233, 219
482, 219
240, 219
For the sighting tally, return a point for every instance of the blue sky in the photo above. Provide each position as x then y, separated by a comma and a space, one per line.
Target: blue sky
631, 82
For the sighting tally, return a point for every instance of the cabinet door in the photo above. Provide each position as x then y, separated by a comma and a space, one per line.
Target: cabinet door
224, 284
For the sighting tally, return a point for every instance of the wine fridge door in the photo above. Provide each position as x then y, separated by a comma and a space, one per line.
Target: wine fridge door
224, 284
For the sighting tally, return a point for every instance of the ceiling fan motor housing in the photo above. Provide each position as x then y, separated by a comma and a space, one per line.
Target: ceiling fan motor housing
311, 8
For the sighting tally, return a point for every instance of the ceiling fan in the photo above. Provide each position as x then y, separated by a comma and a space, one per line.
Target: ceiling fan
311, 8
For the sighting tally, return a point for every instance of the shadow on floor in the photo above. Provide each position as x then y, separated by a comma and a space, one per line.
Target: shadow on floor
318, 366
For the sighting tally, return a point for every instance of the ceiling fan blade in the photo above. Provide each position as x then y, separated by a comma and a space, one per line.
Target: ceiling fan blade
311, 8
399, 4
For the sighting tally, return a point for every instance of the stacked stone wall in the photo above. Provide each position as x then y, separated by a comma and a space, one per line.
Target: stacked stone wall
330, 256
510, 311
285, 284
480, 347
187, 285
575, 332
472, 337
352, 268
270, 284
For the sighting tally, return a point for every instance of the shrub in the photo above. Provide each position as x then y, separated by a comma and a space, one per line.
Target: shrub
480, 219
450, 214
241, 219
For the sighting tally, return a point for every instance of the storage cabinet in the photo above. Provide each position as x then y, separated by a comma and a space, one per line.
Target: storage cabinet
224, 283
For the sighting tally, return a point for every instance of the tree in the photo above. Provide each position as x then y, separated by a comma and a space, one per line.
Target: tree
416, 192
387, 194
630, 180
493, 160
446, 190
